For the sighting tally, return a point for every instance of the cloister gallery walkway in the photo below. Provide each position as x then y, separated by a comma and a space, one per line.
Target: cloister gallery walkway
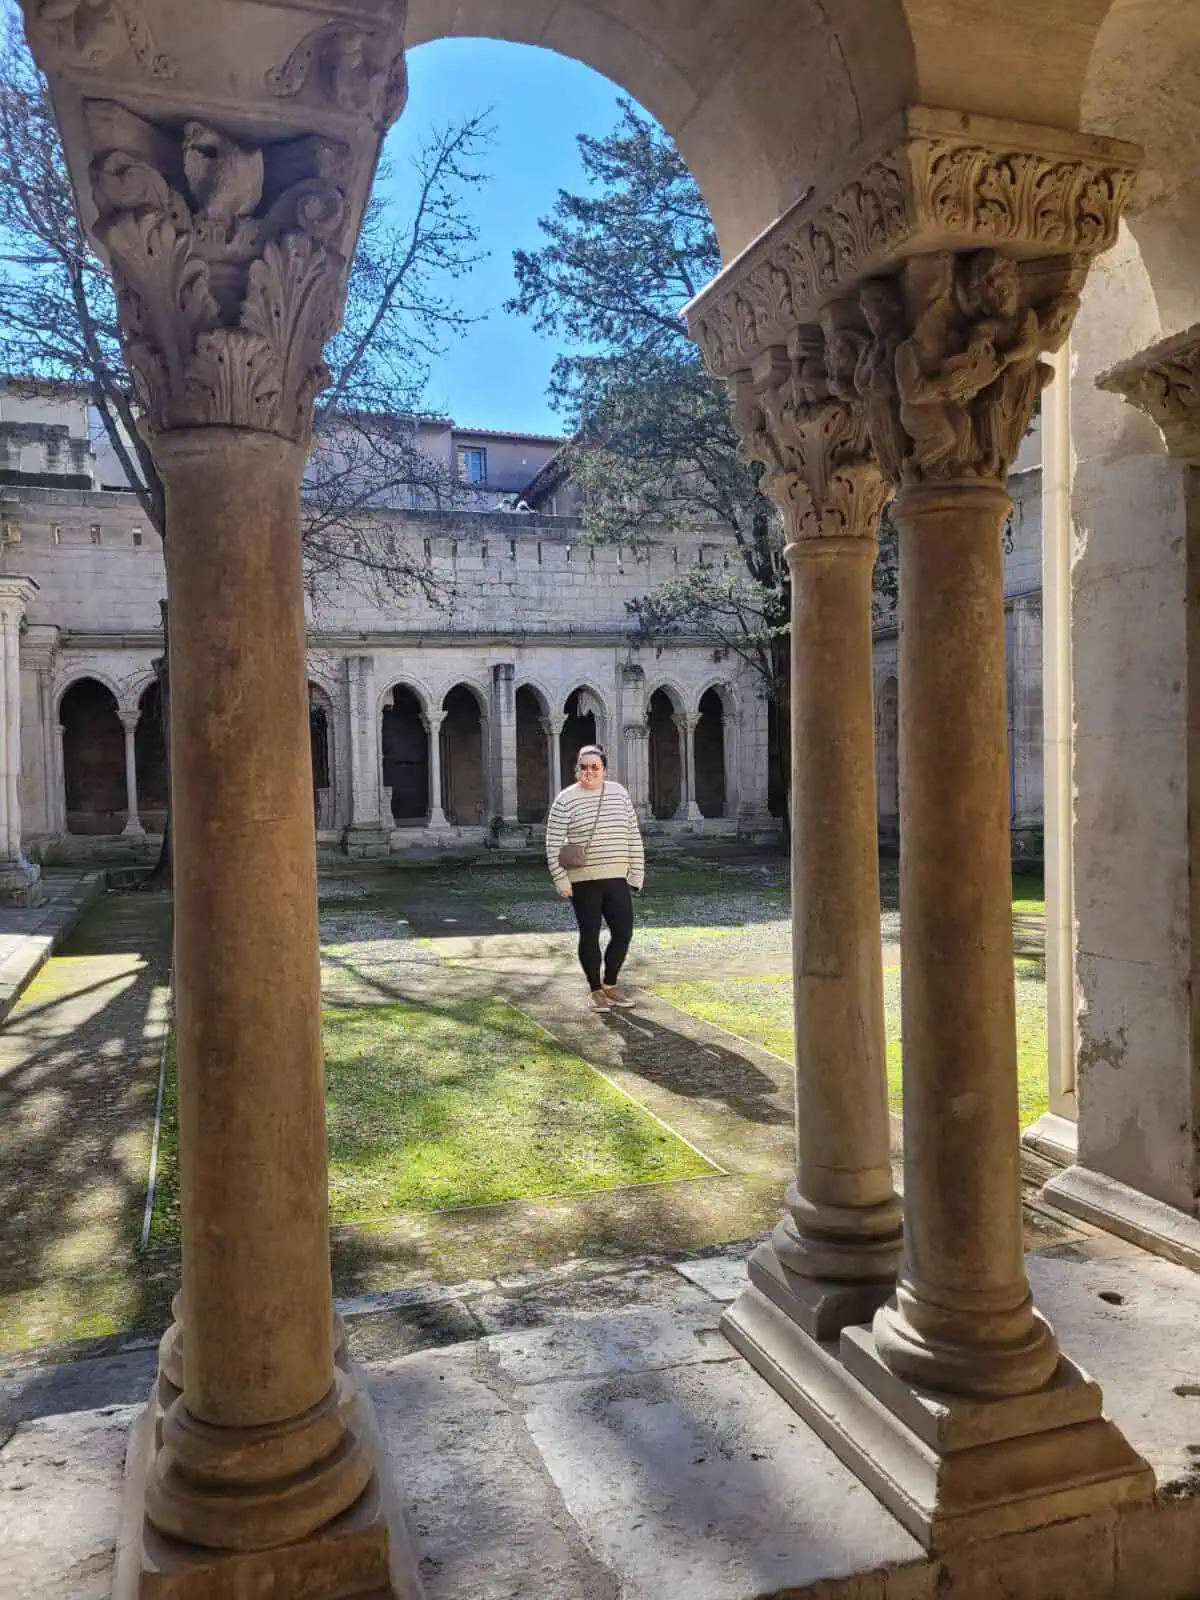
480, 1120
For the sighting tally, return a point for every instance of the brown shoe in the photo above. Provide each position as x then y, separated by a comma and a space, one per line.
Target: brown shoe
598, 1000
618, 997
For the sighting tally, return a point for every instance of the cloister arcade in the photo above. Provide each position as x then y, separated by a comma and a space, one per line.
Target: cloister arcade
914, 199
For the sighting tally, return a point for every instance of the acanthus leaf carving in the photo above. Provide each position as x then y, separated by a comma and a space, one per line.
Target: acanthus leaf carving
93, 33
358, 70
1164, 382
803, 420
228, 286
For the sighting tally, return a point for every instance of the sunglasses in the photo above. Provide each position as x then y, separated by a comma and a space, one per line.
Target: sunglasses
589, 766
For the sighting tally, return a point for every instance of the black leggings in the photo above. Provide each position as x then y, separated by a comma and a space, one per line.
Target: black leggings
594, 901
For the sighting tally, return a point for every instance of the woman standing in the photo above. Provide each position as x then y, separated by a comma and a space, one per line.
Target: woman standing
594, 851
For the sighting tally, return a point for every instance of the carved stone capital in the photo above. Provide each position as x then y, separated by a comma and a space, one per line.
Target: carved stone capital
225, 187
797, 411
1164, 382
938, 180
952, 370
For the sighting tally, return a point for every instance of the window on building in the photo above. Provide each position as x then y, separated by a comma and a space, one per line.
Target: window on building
472, 464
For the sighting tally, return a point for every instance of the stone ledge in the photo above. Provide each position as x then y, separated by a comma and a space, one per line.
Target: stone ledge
1150, 1224
1054, 1137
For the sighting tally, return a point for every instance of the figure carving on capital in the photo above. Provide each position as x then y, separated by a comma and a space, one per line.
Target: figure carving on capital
799, 413
229, 263
954, 370
91, 33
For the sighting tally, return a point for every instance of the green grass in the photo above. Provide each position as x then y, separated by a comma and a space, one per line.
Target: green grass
760, 1009
459, 1106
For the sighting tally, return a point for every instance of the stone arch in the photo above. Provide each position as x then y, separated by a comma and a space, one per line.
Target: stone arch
321, 744
711, 755
766, 99
666, 755
133, 689
533, 753
464, 795
674, 692
404, 747
96, 675
585, 722
887, 758
150, 757
410, 686
93, 746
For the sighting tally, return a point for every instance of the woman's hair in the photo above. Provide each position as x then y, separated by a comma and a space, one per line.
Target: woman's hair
592, 750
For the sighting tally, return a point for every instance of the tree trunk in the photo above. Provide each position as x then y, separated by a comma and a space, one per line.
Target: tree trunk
162, 876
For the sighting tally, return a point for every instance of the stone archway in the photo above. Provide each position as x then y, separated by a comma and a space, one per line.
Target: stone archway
533, 756
464, 775
710, 755
579, 728
666, 757
405, 747
93, 743
320, 738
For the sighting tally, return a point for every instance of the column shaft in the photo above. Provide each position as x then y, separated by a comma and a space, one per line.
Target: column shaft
437, 815
133, 822
12, 737
964, 1320
843, 1219
252, 1121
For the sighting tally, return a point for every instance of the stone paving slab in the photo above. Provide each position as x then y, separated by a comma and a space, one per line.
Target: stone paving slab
29, 935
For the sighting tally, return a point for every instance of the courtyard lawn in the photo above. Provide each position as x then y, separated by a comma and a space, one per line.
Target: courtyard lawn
760, 1009
431, 1108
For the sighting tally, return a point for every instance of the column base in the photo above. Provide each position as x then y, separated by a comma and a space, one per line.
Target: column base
1055, 1137
817, 1306
364, 1552
951, 1471
20, 884
133, 830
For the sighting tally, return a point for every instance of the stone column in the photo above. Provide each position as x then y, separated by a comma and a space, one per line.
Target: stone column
955, 1406
133, 824
59, 800
503, 740
257, 1467
689, 811
832, 1260
433, 727
19, 879
552, 727
370, 824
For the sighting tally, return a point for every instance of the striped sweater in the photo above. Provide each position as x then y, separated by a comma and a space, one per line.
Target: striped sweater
615, 850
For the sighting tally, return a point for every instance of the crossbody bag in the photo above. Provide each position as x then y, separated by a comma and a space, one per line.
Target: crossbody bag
574, 856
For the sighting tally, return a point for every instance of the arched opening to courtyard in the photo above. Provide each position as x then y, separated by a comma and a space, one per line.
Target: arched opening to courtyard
93, 746
666, 757
320, 735
533, 756
887, 761
150, 751
405, 747
711, 796
464, 774
580, 727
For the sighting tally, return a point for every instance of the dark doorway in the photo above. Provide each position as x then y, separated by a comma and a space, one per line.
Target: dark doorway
666, 764
93, 759
710, 755
464, 787
150, 755
319, 721
406, 758
533, 757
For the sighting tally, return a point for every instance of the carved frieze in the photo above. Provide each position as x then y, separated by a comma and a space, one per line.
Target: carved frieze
93, 33
229, 263
1164, 382
947, 183
951, 373
359, 70
798, 413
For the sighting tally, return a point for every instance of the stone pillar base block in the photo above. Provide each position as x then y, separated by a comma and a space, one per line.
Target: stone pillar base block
364, 1552
992, 1482
364, 841
1055, 1137
821, 1308
1149, 1223
21, 884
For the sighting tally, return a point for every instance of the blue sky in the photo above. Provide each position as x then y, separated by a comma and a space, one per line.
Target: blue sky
496, 377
